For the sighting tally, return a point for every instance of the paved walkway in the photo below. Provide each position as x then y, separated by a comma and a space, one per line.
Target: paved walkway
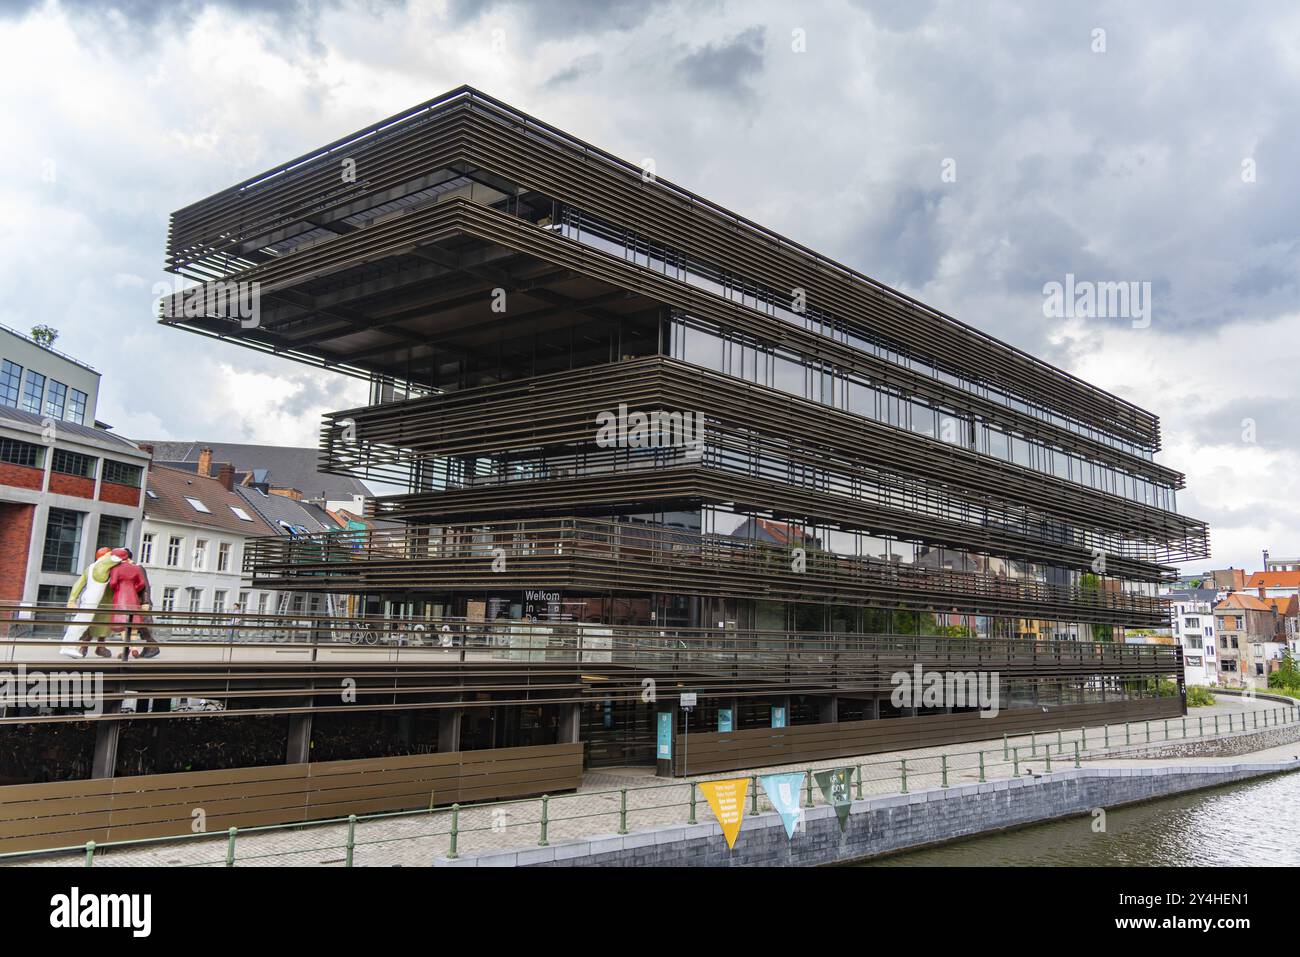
414, 840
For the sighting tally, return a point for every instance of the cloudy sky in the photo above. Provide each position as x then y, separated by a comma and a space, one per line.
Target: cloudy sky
965, 153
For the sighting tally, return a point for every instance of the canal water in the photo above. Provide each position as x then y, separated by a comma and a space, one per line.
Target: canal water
1254, 823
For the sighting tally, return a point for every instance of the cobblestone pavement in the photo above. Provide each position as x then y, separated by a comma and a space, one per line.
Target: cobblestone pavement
414, 840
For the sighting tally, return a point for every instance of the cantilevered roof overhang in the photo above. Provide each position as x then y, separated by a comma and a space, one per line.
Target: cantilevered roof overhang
464, 130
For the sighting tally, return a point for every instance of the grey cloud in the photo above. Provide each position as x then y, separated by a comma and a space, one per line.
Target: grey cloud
728, 67
902, 243
1274, 423
897, 15
139, 23
554, 18
581, 67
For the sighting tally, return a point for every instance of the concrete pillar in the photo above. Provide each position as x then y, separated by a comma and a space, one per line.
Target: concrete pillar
449, 729
298, 750
107, 735
570, 723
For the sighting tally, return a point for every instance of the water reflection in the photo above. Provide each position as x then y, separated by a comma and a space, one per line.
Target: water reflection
1254, 823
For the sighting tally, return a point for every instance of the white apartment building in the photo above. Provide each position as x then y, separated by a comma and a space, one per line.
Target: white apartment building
1193, 629
192, 545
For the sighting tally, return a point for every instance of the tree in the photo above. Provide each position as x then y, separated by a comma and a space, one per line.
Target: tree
44, 335
1287, 674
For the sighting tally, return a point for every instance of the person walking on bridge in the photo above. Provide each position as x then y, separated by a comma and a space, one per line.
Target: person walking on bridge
131, 598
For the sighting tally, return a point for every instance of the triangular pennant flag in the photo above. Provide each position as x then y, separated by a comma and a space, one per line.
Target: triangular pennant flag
836, 788
727, 798
783, 791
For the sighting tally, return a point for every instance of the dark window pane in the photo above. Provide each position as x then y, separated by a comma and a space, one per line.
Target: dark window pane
62, 541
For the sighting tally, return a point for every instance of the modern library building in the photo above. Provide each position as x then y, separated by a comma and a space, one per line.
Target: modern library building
635, 446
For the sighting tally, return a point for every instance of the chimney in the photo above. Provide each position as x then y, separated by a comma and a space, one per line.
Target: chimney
226, 476
146, 447
205, 463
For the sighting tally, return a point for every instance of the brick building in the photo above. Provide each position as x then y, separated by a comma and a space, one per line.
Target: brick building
67, 484
1252, 634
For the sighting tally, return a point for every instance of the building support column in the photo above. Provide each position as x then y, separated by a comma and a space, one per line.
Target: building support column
298, 750
449, 729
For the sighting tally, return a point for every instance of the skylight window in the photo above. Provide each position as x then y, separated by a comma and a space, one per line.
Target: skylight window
198, 506
241, 514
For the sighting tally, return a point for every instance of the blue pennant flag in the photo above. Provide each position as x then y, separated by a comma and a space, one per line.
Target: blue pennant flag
783, 791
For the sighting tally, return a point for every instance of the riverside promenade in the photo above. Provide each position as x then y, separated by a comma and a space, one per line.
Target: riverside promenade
629, 801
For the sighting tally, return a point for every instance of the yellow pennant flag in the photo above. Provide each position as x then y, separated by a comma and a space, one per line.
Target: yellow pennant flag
727, 798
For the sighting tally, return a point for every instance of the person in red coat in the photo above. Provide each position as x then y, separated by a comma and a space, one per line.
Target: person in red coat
130, 588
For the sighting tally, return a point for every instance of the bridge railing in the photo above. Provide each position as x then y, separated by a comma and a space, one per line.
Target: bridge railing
429, 556
232, 635
447, 832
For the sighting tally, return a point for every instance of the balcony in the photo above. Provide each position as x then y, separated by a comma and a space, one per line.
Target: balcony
583, 554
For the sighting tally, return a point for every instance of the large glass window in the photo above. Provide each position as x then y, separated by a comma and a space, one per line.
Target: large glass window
62, 541
788, 376
77, 406
72, 463
122, 473
16, 452
33, 391
11, 378
792, 373
112, 532
53, 594
56, 398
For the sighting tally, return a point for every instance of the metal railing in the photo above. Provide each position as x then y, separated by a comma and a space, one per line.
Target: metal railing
522, 823
447, 554
235, 635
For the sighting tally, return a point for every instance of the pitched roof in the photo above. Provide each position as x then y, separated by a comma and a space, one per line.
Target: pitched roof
1274, 580
284, 466
71, 428
1243, 601
282, 513
169, 491
1288, 605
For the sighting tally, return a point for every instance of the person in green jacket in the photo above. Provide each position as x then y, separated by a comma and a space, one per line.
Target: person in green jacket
90, 594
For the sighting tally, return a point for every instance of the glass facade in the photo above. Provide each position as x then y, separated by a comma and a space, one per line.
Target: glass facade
62, 541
